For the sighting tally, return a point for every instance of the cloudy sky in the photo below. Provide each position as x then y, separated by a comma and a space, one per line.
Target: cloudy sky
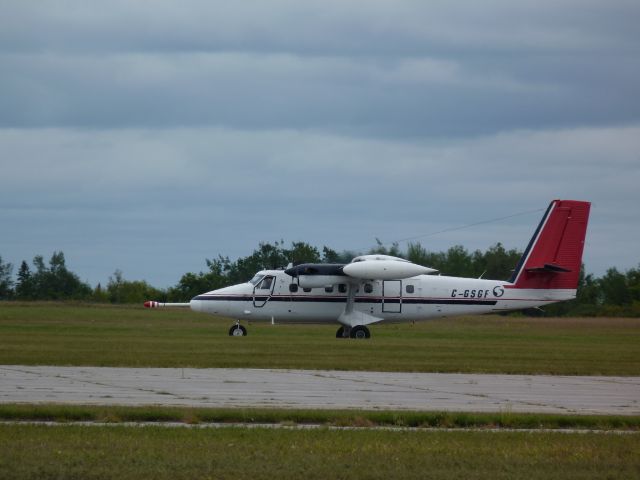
147, 136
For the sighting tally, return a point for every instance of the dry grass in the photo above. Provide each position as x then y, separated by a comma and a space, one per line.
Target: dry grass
341, 418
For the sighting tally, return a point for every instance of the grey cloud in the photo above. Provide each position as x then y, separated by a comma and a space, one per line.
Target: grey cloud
240, 162
400, 69
145, 194
405, 97
148, 136
327, 27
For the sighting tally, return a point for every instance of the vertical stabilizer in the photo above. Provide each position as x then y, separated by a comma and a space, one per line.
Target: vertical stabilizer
554, 255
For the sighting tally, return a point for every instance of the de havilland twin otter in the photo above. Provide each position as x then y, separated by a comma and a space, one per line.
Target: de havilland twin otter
380, 288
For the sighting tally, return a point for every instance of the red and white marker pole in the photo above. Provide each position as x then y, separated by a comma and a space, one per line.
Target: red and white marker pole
152, 304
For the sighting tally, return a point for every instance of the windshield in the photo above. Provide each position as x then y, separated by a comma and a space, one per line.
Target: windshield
255, 280
266, 283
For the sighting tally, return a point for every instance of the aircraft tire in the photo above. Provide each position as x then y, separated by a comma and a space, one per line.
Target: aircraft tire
237, 330
360, 332
341, 333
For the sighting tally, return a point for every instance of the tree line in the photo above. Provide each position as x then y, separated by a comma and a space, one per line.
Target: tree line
613, 294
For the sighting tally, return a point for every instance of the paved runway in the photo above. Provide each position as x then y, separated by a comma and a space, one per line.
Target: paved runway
220, 387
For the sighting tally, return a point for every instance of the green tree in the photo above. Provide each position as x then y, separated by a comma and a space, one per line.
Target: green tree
458, 262
120, 290
223, 272
6, 283
55, 282
615, 290
416, 253
496, 263
99, 294
24, 285
633, 284
380, 248
40, 279
266, 257
589, 292
192, 284
301, 252
61, 284
66, 284
332, 256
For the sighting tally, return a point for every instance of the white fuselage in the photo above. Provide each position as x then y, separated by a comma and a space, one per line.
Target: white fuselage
417, 298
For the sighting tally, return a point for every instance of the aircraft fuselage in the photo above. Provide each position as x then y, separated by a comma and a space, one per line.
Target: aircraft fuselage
379, 288
417, 298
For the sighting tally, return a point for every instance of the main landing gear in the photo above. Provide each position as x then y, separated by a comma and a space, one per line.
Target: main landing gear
237, 330
358, 332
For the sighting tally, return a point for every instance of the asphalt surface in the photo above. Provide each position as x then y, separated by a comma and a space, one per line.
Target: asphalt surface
319, 389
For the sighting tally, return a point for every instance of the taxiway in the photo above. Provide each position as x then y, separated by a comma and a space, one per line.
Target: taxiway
306, 389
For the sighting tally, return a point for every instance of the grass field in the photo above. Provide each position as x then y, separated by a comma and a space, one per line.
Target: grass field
336, 418
155, 452
99, 335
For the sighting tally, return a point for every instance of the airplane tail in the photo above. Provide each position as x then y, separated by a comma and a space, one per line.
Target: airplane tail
554, 255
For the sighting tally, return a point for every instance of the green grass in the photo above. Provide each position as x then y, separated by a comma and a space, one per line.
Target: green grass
349, 418
66, 334
99, 335
56, 334
155, 452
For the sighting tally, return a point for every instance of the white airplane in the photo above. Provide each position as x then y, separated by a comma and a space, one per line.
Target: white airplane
380, 288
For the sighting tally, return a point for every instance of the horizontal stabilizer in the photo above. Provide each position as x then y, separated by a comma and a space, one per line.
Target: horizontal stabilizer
548, 268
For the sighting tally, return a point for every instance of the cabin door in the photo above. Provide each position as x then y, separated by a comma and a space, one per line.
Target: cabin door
262, 291
392, 296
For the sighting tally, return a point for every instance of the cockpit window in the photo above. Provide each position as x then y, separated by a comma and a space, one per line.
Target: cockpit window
255, 280
266, 283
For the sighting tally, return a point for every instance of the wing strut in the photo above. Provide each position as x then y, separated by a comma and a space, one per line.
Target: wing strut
351, 317
351, 298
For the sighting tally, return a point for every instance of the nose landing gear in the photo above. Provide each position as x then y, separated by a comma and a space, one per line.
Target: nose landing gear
237, 330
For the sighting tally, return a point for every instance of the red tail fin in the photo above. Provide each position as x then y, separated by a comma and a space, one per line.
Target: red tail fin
554, 255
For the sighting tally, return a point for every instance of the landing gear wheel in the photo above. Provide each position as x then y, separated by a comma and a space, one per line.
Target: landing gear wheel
237, 330
342, 333
360, 332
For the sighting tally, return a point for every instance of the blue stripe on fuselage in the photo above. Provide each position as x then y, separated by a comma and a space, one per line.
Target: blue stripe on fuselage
313, 299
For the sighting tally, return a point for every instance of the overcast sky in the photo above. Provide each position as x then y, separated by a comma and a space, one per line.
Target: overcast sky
147, 136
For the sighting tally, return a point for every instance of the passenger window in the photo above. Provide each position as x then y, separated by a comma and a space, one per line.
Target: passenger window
329, 289
306, 290
410, 289
342, 288
368, 288
293, 287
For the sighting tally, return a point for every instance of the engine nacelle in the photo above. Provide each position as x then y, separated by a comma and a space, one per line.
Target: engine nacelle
317, 275
385, 270
319, 281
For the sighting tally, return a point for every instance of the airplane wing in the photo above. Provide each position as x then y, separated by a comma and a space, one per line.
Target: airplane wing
375, 267
364, 267
361, 269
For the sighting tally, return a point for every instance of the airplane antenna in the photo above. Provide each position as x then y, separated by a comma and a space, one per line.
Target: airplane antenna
462, 227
